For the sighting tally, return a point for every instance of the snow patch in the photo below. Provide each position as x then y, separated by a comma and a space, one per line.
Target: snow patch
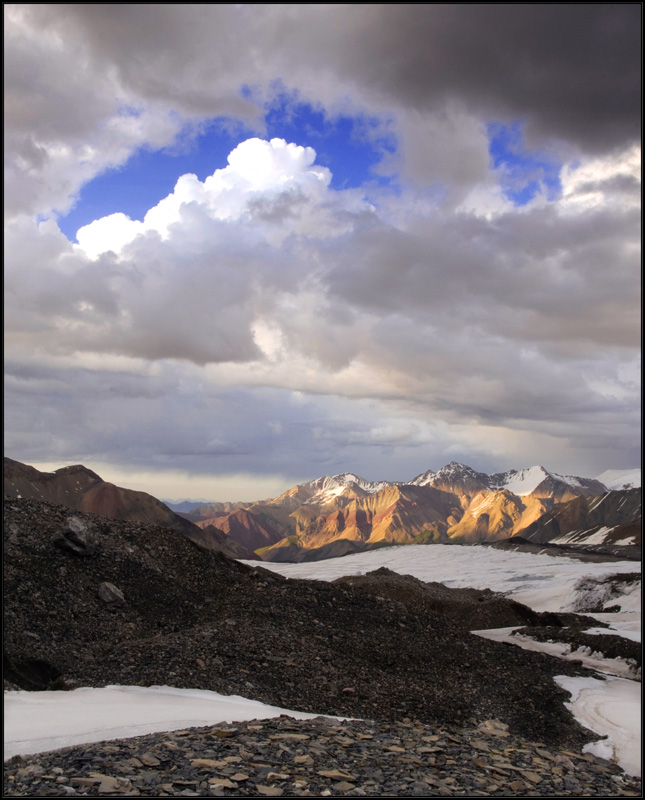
610, 708
36, 722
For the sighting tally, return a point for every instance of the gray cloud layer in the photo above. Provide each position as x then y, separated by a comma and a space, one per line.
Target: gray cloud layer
300, 329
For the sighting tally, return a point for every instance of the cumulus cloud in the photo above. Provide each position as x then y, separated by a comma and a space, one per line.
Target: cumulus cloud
265, 181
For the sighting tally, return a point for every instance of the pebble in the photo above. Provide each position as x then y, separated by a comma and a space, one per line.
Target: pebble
317, 758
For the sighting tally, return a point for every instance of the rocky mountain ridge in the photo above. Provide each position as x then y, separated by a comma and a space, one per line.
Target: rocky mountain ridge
78, 488
341, 514
454, 504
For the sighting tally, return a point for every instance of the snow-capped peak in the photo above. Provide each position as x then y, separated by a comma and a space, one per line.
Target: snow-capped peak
519, 481
424, 478
453, 471
621, 478
330, 487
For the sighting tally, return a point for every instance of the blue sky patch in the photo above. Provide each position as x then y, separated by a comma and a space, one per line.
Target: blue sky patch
349, 146
150, 175
521, 171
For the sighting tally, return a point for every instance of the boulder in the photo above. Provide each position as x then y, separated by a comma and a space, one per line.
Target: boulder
78, 537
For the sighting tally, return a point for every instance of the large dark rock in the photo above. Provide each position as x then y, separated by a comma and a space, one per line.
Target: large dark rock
78, 537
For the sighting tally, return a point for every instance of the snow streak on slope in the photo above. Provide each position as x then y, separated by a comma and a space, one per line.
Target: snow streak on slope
599, 536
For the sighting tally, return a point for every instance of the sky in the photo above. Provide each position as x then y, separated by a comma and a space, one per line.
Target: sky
250, 245
610, 706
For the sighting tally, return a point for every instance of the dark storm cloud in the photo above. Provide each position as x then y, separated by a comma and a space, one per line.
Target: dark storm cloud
573, 72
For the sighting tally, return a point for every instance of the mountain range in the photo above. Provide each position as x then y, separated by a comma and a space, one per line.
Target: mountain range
340, 514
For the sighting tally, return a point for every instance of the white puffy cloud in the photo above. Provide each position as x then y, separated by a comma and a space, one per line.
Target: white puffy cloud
263, 181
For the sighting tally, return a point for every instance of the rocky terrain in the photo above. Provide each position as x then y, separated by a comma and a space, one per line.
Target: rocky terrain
91, 601
320, 758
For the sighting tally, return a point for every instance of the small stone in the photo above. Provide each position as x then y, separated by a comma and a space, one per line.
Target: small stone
343, 786
493, 727
480, 744
269, 791
222, 782
109, 783
150, 760
277, 776
303, 760
336, 775
207, 763
533, 777
110, 593
565, 761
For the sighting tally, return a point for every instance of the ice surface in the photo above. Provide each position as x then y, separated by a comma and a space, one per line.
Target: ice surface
627, 624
